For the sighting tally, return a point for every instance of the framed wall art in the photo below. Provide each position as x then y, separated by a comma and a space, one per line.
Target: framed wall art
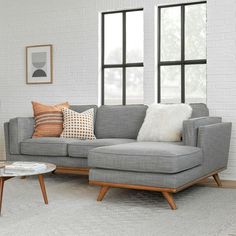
39, 64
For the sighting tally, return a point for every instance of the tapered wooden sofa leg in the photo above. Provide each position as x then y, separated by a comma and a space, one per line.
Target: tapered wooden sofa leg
217, 179
102, 193
169, 198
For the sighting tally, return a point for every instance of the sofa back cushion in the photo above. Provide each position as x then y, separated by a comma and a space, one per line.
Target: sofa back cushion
82, 108
119, 121
199, 110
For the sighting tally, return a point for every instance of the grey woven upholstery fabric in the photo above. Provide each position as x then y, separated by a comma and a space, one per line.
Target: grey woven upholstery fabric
49, 146
119, 121
157, 157
82, 108
58, 161
22, 128
199, 110
112, 122
80, 148
19, 129
146, 178
7, 138
190, 128
204, 149
214, 140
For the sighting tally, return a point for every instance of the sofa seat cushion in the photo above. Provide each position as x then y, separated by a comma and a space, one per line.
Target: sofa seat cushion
156, 157
80, 148
50, 146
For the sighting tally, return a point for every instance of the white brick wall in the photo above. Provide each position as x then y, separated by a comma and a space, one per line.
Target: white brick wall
72, 26
221, 56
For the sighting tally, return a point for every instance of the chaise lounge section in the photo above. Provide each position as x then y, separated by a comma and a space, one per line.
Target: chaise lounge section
166, 167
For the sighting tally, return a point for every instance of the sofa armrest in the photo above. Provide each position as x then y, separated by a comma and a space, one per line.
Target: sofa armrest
6, 136
214, 140
190, 128
20, 128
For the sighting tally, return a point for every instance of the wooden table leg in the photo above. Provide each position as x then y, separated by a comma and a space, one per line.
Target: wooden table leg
43, 189
1, 192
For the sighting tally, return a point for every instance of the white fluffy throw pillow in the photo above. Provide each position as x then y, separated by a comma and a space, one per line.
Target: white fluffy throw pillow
164, 122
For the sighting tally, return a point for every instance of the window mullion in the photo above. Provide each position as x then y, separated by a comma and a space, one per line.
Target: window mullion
182, 53
124, 59
159, 57
103, 60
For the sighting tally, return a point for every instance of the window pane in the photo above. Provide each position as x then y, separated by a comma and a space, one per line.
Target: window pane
113, 86
170, 84
134, 34
195, 83
134, 85
113, 38
195, 32
170, 34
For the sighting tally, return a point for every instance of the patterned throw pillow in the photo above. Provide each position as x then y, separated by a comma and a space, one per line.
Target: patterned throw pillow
78, 125
48, 119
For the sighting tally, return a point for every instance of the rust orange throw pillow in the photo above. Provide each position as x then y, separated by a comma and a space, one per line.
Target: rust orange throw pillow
48, 119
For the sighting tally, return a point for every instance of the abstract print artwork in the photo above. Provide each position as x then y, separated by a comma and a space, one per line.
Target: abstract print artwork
39, 64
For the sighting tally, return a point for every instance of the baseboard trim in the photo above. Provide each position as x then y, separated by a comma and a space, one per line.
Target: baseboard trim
209, 182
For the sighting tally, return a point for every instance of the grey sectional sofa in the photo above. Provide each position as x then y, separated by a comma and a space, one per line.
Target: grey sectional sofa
116, 159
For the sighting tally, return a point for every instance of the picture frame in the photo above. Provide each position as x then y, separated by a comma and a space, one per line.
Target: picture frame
39, 64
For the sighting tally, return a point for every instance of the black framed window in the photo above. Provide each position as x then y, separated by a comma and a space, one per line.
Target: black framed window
122, 57
182, 53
